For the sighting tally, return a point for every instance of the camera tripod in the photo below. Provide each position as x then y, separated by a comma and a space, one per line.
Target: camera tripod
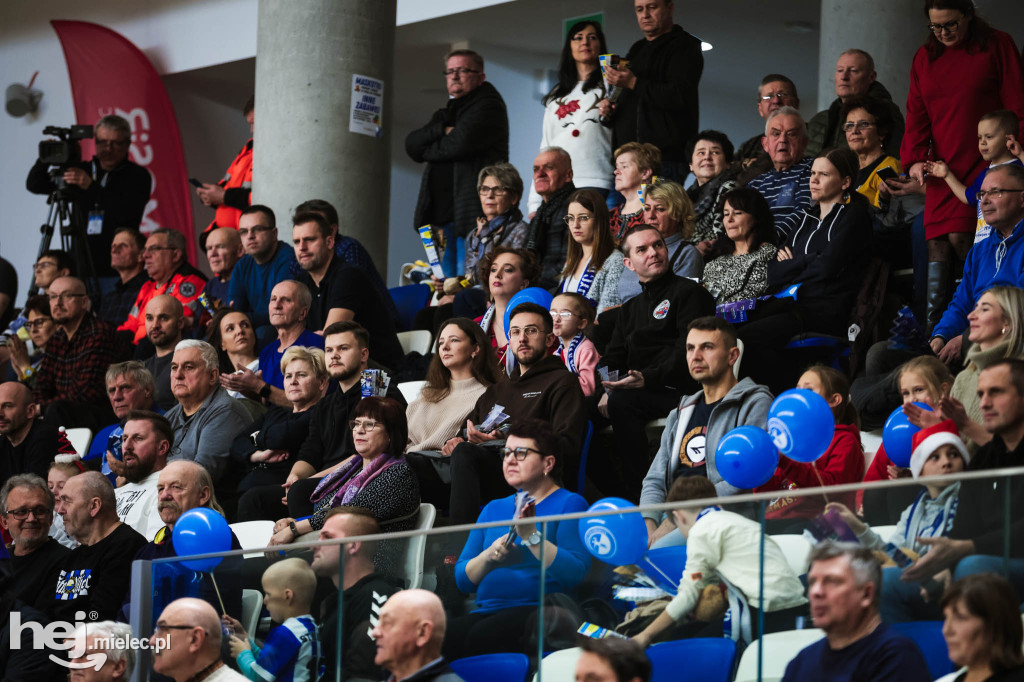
68, 222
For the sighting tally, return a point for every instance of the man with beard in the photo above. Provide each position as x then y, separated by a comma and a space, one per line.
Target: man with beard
347, 351
28, 443
165, 319
182, 486
69, 389
146, 442
93, 576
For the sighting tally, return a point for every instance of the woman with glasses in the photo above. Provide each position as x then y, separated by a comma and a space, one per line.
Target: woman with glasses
376, 477
571, 120
867, 124
40, 326
965, 69
501, 564
501, 223
590, 247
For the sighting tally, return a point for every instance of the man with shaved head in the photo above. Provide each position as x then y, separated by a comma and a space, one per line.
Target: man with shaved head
93, 577
165, 319
409, 635
190, 630
70, 386
27, 443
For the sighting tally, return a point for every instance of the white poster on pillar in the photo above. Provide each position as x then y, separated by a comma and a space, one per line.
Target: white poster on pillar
367, 106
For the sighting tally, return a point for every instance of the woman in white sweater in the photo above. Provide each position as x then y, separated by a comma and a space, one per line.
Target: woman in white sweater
571, 120
463, 367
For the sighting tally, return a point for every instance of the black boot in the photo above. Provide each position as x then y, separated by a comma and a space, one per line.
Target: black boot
937, 295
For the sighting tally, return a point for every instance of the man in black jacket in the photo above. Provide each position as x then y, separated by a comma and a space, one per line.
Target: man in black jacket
659, 102
108, 187
549, 235
648, 349
975, 543
470, 132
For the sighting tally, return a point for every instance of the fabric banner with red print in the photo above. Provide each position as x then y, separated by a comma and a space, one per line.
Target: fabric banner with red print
109, 75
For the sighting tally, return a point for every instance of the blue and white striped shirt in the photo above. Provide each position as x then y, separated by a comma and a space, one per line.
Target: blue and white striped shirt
788, 193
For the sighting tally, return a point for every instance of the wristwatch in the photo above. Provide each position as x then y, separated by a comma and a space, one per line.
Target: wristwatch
534, 539
293, 529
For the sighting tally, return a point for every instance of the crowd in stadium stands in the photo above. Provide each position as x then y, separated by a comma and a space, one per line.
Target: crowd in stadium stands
252, 393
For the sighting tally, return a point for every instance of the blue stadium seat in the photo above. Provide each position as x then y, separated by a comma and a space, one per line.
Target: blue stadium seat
492, 668
409, 300
927, 635
704, 659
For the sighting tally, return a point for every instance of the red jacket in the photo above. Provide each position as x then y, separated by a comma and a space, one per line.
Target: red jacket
843, 462
238, 178
184, 287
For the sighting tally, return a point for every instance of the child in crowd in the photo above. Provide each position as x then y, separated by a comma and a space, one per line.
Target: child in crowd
725, 546
292, 649
56, 477
843, 461
937, 451
997, 142
572, 313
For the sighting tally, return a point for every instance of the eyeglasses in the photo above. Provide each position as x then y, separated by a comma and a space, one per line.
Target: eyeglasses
451, 73
581, 219
496, 191
564, 314
859, 125
948, 27
155, 249
364, 424
777, 96
529, 332
43, 264
520, 452
164, 626
22, 514
38, 323
64, 297
994, 193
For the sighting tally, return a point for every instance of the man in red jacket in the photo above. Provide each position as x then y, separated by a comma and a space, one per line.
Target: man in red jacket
233, 193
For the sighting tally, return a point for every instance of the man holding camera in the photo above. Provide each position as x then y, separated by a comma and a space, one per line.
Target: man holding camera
107, 192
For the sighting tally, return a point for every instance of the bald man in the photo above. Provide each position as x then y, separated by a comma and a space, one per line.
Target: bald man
409, 635
165, 319
70, 387
94, 576
189, 637
223, 249
27, 443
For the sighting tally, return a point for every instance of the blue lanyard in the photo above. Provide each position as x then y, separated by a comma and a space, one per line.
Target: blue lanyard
570, 354
705, 511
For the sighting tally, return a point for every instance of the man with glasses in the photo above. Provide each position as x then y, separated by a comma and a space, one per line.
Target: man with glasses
470, 132
108, 187
267, 262
775, 91
170, 274
540, 387
855, 77
94, 576
27, 443
126, 259
70, 386
191, 632
648, 349
548, 235
996, 260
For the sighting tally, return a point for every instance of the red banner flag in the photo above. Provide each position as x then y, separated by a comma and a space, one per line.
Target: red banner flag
109, 75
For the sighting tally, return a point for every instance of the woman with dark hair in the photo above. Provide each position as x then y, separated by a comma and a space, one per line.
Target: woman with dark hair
710, 156
460, 371
376, 477
40, 326
231, 333
504, 272
501, 564
867, 125
737, 267
571, 120
983, 628
826, 257
590, 246
964, 70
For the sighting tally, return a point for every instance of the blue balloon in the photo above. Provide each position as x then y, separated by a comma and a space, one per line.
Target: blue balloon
898, 436
201, 531
746, 457
801, 424
617, 539
536, 295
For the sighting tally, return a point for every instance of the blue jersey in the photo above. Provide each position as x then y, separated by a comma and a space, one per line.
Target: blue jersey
290, 654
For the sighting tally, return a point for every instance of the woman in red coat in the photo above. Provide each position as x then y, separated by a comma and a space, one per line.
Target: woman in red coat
964, 70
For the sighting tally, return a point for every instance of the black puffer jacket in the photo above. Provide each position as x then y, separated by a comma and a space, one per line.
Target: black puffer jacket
479, 138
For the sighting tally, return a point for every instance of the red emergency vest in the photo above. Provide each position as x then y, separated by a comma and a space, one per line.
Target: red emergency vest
239, 174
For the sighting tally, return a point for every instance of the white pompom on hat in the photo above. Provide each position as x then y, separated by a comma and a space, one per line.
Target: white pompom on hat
926, 441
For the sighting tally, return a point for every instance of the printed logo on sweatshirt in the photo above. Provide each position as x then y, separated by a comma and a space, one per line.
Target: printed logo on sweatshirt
532, 394
73, 584
662, 310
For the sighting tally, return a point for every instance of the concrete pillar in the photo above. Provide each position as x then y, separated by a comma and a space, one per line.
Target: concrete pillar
306, 54
889, 31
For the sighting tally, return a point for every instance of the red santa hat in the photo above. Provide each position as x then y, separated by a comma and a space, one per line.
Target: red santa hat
927, 441
66, 451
